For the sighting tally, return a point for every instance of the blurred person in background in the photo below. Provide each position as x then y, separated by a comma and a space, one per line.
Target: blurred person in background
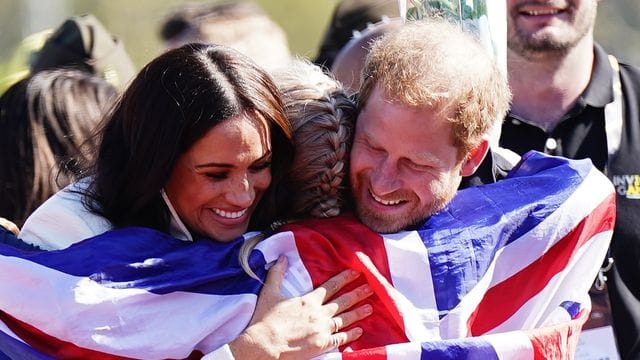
47, 120
80, 42
241, 25
350, 17
348, 62
570, 98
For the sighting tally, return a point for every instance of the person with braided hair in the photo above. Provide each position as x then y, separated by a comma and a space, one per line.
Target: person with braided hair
322, 118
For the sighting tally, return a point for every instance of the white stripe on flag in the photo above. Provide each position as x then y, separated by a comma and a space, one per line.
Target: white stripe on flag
406, 351
6, 330
512, 346
297, 280
42, 296
411, 277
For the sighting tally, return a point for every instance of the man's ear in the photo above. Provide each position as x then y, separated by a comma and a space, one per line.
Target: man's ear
474, 158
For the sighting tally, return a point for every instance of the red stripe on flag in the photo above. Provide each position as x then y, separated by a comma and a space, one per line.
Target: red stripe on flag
379, 353
493, 310
329, 246
59, 349
558, 341
50, 345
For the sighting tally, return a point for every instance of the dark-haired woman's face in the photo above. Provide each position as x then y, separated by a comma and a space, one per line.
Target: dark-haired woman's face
216, 185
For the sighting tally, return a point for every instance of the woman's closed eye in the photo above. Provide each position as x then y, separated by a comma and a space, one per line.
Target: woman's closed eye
261, 165
217, 175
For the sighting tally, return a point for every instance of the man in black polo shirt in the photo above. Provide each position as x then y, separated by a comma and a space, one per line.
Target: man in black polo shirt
571, 99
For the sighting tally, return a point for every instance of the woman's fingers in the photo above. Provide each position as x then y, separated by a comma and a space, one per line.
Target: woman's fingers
349, 299
330, 287
306, 326
349, 317
344, 337
275, 276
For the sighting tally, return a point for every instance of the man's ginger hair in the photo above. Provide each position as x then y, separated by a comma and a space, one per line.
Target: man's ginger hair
434, 64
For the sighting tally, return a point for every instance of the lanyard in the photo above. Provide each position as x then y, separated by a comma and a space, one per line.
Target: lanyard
613, 121
613, 117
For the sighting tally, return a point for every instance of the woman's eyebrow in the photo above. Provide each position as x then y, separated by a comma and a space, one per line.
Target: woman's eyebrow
224, 165
213, 164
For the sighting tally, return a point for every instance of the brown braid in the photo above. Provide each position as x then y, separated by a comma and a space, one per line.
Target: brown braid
322, 117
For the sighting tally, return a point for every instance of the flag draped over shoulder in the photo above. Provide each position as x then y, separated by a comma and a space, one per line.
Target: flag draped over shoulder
502, 272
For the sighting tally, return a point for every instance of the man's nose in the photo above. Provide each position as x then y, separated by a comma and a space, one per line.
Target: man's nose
384, 177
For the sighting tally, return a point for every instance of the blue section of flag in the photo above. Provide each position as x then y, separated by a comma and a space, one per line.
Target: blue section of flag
7, 237
573, 308
13, 349
147, 259
469, 348
462, 244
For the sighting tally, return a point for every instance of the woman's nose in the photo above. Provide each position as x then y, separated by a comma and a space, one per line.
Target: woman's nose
240, 194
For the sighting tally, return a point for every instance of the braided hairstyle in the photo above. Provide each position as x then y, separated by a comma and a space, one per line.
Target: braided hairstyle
322, 117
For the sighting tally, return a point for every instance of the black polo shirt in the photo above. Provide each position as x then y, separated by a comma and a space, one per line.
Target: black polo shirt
581, 134
495, 166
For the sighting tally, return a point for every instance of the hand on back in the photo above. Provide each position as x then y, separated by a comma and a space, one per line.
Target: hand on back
305, 326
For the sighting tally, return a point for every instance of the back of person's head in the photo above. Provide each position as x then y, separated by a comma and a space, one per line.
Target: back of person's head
433, 63
47, 121
322, 117
242, 25
351, 17
83, 43
172, 103
348, 63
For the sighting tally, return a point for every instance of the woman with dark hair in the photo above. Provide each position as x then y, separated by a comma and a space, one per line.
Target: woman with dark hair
166, 138
47, 120
196, 147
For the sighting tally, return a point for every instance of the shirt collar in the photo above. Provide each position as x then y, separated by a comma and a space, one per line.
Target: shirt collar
599, 91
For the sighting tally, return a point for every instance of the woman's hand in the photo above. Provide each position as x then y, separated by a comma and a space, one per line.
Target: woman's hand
305, 326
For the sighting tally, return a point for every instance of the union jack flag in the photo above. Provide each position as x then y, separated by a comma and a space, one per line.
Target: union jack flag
502, 272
